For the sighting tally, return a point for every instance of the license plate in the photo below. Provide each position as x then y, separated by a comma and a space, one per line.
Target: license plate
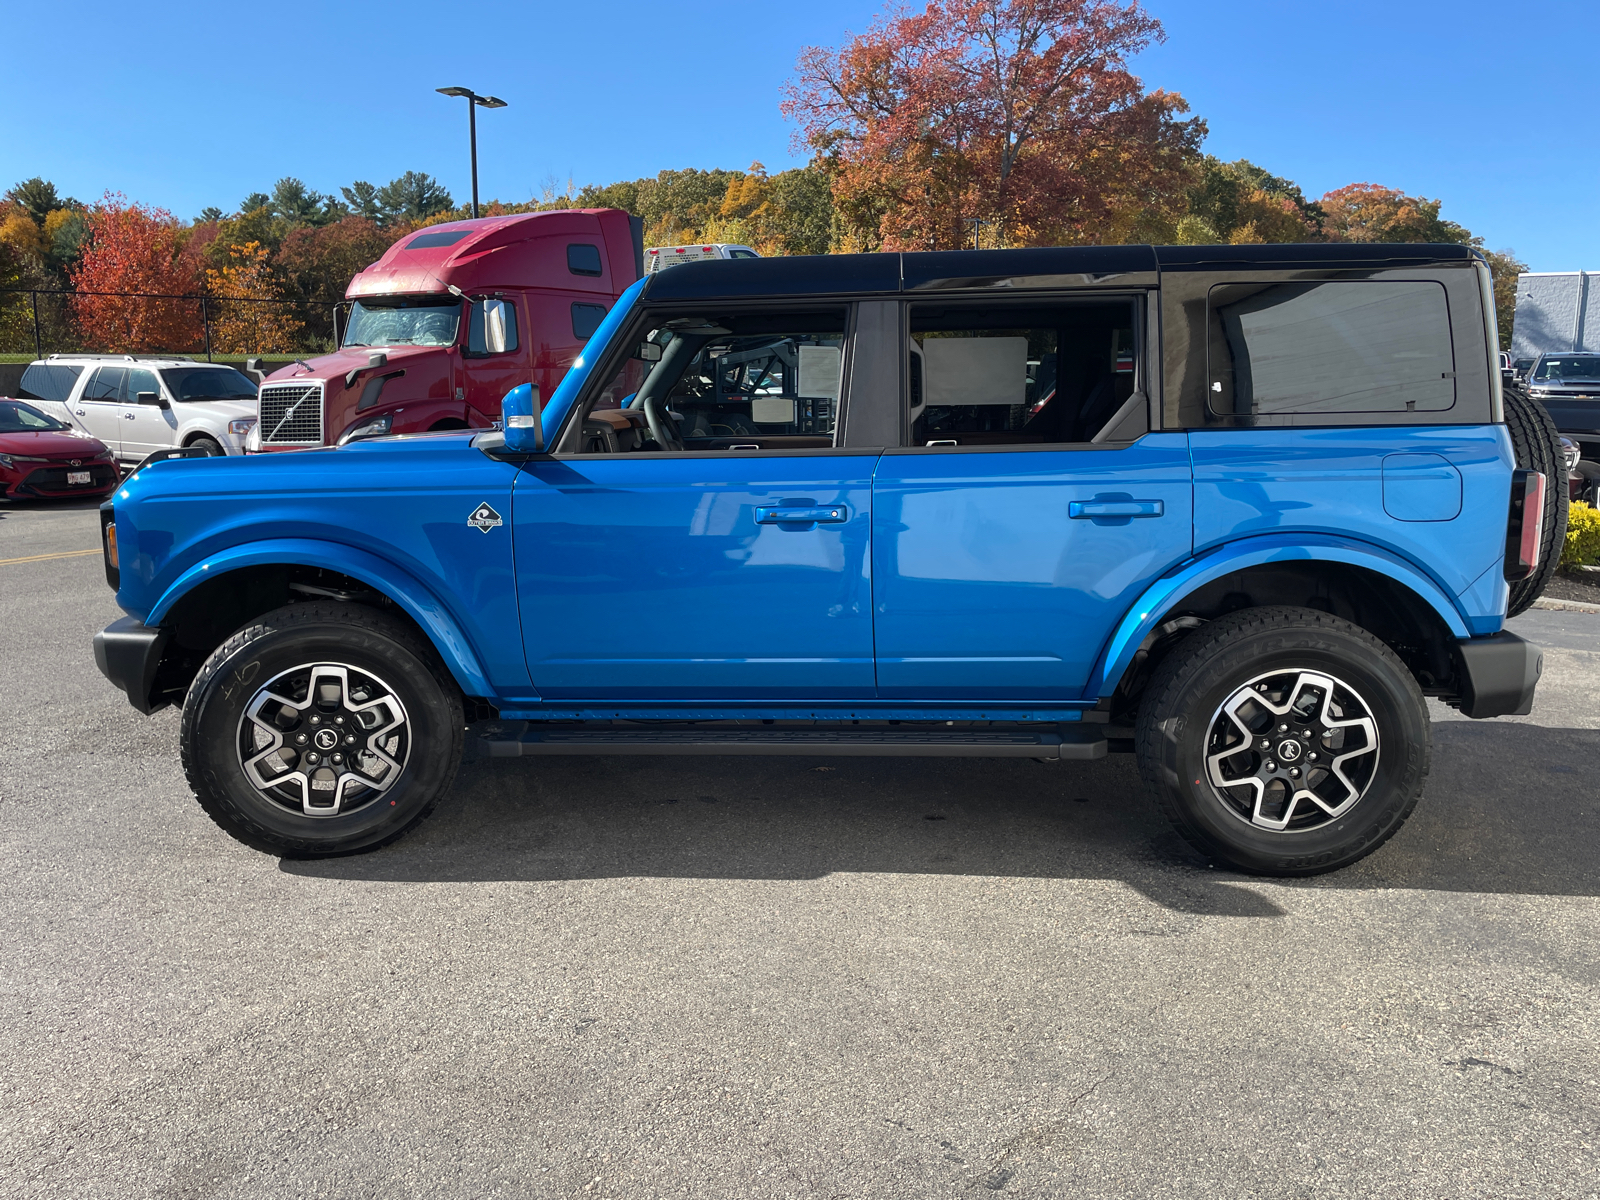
79, 477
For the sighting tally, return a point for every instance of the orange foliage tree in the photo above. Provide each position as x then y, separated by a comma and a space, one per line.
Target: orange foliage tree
249, 314
142, 251
1370, 212
996, 122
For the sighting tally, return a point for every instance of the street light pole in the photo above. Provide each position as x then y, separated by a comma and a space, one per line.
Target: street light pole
473, 101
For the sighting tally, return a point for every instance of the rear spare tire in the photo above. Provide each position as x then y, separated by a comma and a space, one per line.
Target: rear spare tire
1537, 447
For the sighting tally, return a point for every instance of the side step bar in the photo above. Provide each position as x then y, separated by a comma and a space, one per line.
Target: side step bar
519, 738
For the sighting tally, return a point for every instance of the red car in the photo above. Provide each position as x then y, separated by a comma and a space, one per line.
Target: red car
42, 458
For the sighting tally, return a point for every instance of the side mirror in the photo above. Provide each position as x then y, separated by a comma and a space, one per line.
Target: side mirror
151, 398
649, 352
521, 415
494, 327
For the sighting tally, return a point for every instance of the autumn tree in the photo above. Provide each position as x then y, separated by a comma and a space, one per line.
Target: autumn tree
318, 263
248, 316
1001, 122
1242, 203
141, 252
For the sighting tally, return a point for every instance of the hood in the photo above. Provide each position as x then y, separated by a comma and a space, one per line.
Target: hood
52, 444
341, 362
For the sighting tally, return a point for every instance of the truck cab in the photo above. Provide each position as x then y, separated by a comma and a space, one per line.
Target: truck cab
451, 318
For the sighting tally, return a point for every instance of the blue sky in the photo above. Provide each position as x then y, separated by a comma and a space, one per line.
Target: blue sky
1488, 107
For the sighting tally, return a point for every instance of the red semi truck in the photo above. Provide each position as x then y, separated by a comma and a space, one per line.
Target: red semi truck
449, 320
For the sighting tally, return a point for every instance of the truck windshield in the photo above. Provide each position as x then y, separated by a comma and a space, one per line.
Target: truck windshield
404, 321
1569, 366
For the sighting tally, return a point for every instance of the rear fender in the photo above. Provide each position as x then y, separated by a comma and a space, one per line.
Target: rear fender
381, 575
1168, 592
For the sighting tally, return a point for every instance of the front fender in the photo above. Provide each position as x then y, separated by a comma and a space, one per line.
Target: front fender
1164, 595
379, 574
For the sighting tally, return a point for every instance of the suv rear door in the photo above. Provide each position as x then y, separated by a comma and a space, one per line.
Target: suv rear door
99, 406
1007, 542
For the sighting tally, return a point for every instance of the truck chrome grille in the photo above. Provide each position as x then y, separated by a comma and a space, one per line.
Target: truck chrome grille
291, 414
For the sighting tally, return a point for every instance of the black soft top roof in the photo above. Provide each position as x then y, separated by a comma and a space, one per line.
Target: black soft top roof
1055, 266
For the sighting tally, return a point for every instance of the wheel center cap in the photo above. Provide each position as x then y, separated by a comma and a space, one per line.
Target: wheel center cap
326, 739
1288, 750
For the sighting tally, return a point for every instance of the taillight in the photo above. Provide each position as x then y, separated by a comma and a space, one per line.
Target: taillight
1525, 529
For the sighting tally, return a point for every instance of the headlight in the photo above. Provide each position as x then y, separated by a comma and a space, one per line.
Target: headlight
373, 427
241, 427
1570, 453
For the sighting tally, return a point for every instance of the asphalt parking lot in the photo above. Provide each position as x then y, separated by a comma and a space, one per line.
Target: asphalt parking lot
753, 978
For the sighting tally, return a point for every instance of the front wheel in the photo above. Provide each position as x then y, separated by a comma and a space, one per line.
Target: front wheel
1284, 741
208, 445
321, 729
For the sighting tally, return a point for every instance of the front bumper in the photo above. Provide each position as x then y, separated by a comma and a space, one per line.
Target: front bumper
129, 654
1497, 675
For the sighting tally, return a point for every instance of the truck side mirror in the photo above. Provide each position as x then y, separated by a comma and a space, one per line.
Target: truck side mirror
521, 416
494, 327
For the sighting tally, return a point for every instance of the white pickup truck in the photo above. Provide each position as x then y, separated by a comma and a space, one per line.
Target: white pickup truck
137, 406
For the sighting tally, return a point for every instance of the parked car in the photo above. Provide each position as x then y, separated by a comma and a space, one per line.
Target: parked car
138, 405
943, 523
450, 318
659, 258
43, 458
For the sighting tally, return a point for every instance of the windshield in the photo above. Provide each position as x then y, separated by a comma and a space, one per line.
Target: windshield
1569, 366
24, 418
404, 321
209, 383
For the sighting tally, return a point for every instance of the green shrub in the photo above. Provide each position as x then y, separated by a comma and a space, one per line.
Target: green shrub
1582, 546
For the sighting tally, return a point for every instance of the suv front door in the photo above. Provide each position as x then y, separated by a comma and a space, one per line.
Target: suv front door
146, 428
1007, 543
697, 534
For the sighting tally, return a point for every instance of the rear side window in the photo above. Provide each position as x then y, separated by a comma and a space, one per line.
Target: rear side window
1301, 349
584, 260
48, 381
106, 384
586, 319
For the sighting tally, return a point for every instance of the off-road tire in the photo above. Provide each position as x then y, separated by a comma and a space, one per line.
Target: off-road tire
1537, 447
351, 634
1211, 664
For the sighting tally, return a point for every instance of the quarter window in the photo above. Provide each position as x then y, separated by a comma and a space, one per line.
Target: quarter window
48, 381
584, 260
999, 374
1302, 349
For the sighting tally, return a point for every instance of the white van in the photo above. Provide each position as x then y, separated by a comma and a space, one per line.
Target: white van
137, 406
659, 258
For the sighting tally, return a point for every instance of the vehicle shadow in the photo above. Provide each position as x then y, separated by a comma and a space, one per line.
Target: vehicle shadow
1508, 809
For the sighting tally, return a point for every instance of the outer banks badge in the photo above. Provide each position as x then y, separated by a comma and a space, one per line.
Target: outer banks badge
484, 518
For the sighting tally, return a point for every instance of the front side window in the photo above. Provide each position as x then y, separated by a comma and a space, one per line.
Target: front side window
1002, 374
720, 381
1301, 349
484, 316
403, 321
24, 418
208, 383
1569, 368
139, 380
106, 385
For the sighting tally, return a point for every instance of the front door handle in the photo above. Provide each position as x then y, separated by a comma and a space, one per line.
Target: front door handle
1090, 509
828, 514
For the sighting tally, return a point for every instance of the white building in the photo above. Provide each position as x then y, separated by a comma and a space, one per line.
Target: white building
1556, 310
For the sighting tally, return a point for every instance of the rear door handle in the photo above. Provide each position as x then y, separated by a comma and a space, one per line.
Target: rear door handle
1089, 509
829, 514
128, 416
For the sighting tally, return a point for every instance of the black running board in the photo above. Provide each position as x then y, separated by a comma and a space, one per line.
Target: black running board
516, 739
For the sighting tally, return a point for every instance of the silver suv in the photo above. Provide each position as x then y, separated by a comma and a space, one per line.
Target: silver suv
137, 406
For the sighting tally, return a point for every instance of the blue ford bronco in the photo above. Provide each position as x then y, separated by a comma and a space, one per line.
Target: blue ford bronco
1235, 509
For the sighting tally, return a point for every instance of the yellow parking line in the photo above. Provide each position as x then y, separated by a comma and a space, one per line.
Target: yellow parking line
6, 562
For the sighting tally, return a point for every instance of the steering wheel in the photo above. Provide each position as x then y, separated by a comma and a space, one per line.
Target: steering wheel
661, 424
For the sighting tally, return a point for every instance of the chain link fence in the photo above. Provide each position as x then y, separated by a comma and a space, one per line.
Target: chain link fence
38, 322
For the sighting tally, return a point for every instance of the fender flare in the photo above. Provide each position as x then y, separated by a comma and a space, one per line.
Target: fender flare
420, 604
1161, 597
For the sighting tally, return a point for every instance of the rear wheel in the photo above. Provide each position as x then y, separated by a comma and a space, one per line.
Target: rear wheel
1537, 447
321, 729
1284, 741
